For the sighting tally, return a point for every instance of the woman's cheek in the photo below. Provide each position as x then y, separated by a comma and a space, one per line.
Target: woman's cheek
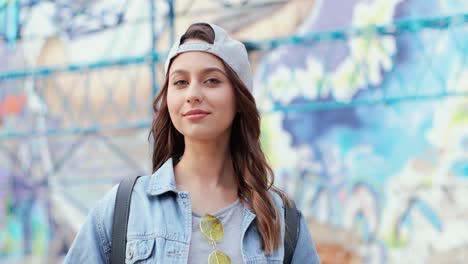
173, 109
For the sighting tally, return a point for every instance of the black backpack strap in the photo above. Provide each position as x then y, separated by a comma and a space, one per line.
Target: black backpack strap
291, 215
120, 220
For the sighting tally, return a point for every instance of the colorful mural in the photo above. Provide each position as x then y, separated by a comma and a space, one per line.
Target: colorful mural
368, 132
392, 173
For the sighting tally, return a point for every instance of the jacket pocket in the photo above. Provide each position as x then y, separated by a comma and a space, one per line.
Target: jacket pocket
139, 251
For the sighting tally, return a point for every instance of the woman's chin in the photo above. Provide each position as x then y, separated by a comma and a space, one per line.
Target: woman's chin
202, 135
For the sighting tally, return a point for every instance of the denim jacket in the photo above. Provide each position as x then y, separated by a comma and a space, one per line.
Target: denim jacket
160, 228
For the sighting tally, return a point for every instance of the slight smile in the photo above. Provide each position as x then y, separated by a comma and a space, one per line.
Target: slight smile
195, 114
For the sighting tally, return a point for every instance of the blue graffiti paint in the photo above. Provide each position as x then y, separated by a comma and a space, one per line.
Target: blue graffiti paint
460, 168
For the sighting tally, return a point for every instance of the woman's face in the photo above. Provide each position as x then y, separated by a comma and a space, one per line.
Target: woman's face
200, 96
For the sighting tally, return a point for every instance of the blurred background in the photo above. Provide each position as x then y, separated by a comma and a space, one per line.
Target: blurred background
364, 115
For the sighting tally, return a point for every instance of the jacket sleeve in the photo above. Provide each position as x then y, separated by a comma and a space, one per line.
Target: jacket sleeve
92, 243
305, 249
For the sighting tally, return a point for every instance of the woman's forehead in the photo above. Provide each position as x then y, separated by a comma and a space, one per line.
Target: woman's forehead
196, 61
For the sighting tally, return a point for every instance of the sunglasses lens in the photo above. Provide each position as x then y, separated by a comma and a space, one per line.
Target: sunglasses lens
218, 257
212, 228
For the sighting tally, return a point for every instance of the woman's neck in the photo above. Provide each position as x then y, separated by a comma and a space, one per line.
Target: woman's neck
207, 173
207, 165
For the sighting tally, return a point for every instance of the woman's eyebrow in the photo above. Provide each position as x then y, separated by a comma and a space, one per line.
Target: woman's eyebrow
178, 71
213, 69
204, 71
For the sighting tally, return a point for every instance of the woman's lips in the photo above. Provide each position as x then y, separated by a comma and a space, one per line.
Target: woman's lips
196, 114
195, 117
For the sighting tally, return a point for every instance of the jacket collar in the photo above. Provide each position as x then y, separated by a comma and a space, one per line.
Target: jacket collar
163, 180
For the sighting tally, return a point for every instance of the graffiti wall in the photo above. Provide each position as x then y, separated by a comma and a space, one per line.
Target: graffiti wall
365, 123
59, 152
392, 173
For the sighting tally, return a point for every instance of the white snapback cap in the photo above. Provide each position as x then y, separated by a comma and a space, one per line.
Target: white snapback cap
231, 51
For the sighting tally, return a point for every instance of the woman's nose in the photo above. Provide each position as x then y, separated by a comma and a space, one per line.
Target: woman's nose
195, 94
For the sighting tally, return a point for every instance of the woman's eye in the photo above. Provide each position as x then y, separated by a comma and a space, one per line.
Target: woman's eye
213, 81
180, 82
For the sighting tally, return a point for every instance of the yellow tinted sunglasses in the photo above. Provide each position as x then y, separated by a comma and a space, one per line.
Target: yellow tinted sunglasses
213, 231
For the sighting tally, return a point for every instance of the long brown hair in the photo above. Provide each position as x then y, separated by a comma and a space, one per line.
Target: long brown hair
253, 174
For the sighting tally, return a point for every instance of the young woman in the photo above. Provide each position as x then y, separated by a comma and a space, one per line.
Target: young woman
211, 197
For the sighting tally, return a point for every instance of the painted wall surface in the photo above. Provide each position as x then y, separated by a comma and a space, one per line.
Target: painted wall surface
393, 175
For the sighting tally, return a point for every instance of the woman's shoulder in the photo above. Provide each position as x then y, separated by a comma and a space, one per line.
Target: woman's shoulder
108, 200
102, 213
104, 208
279, 197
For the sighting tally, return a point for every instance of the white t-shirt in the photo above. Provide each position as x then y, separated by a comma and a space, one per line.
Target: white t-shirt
231, 219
